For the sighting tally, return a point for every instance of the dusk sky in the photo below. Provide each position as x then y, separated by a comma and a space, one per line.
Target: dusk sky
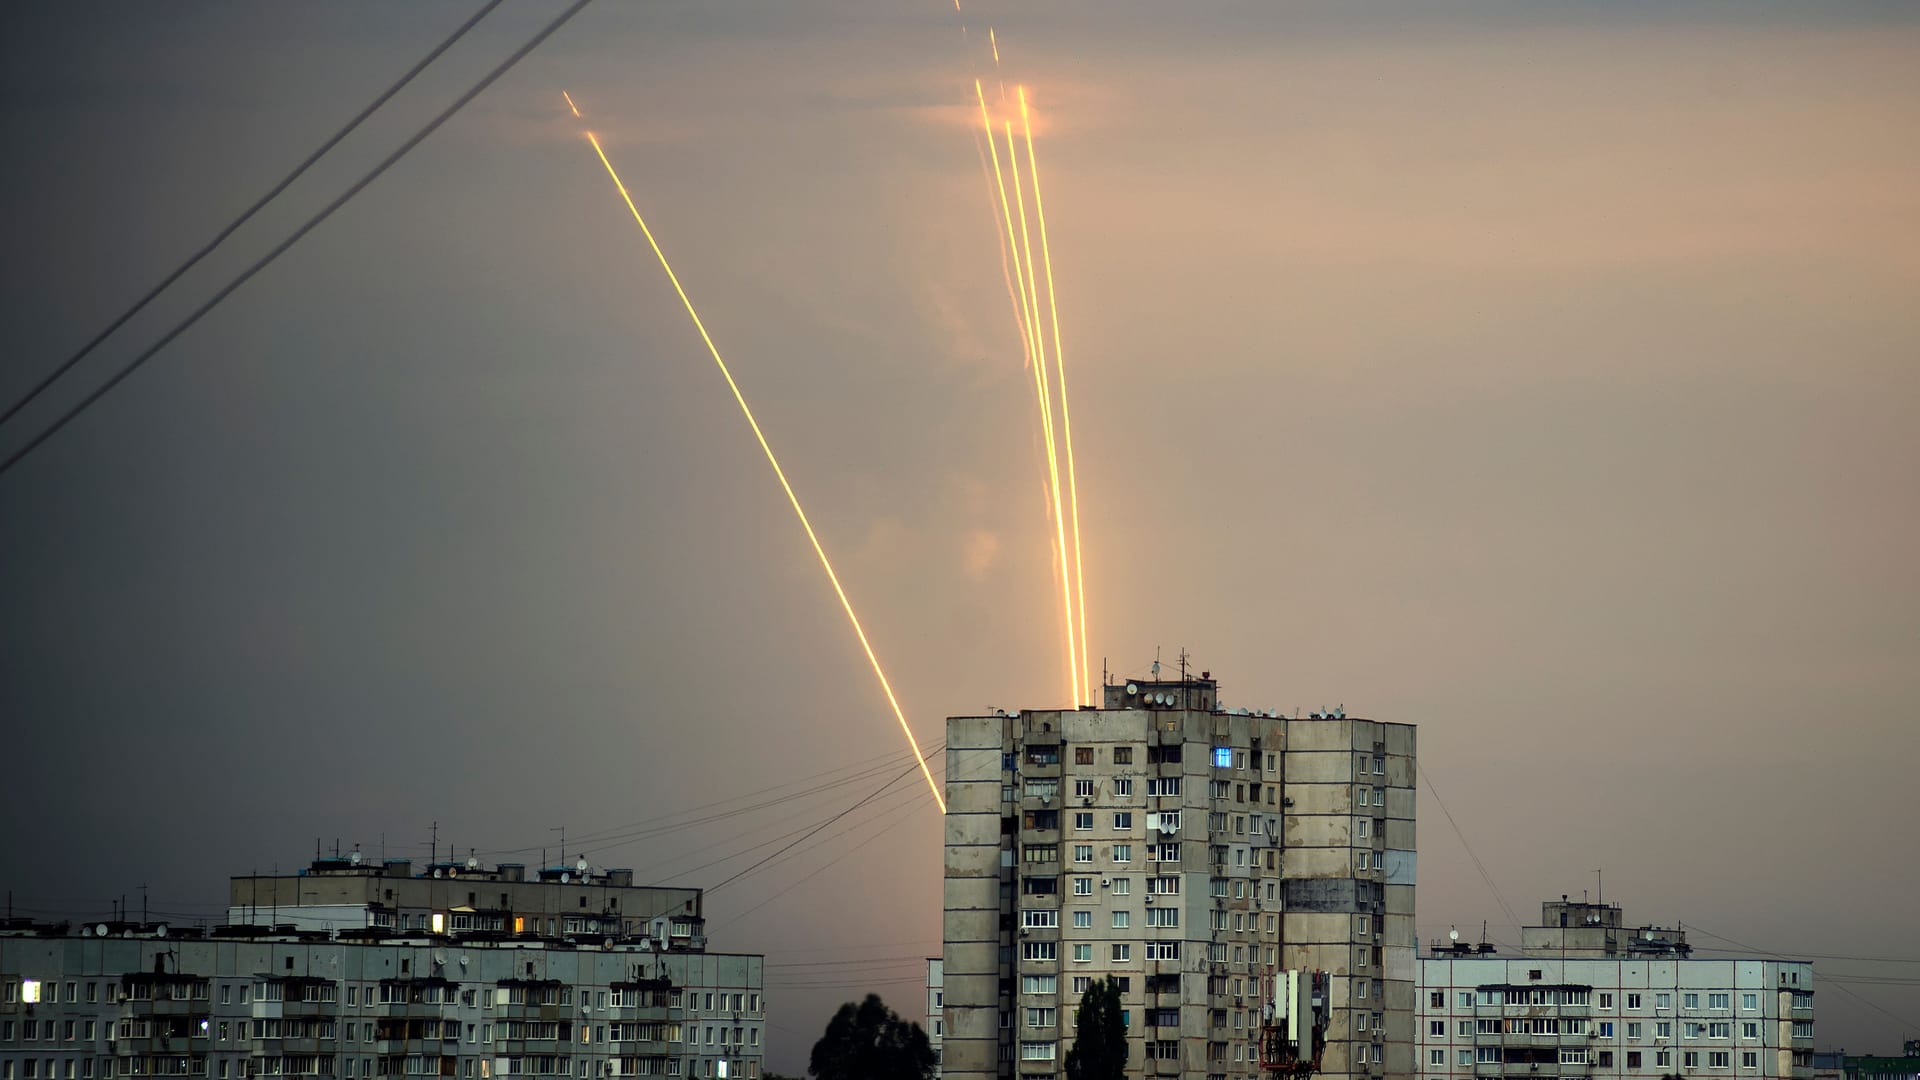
1545, 375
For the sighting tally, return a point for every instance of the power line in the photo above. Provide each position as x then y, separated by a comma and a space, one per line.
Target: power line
881, 790
312, 222
1478, 865
247, 214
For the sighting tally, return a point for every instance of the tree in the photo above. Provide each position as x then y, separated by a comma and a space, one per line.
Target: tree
1100, 1046
869, 1041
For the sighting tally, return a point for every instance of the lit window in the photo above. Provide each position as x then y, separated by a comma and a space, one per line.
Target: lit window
1223, 757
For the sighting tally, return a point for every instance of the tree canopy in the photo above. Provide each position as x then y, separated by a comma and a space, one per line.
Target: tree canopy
1100, 1043
869, 1041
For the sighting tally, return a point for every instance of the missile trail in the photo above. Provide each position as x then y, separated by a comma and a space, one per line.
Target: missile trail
1060, 369
1046, 412
1029, 339
570, 104
794, 499
1006, 272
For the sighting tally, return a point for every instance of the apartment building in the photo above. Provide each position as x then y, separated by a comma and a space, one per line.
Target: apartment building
1193, 853
936, 1004
1589, 996
430, 978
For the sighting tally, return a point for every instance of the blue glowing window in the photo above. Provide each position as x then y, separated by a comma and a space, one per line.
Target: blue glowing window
1223, 757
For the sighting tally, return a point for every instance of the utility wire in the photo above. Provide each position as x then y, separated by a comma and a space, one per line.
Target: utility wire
281, 248
247, 214
877, 792
1478, 865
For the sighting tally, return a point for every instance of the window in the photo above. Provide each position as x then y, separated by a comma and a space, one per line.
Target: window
1083, 886
1691, 1059
1360, 988
1122, 951
1123, 819
1749, 1002
1466, 999
1633, 1059
1163, 916
1663, 1001
1040, 853
1606, 1029
1466, 1057
1163, 950
1663, 1029
1718, 1001
1720, 1030
1749, 1059
1083, 920
1662, 1059
1083, 755
1080, 984
1573, 1055
1486, 1055
1749, 1029
1041, 1017
1719, 1059
1437, 1058
1379, 765
1633, 1029
1041, 918
1363, 796
1083, 954
1365, 826
1437, 1029
1223, 757
1689, 1001
1123, 755
1036, 1051
1122, 920
1122, 853
1163, 787
1169, 852
1605, 1059
1039, 984
1083, 821
1083, 853
1122, 886
1633, 1001
1039, 950
1691, 1029
1606, 1000
1123, 787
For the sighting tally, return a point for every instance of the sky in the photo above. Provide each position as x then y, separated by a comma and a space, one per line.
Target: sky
1540, 374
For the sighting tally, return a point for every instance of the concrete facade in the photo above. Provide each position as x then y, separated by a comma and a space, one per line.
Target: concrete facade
1190, 851
636, 995
1590, 997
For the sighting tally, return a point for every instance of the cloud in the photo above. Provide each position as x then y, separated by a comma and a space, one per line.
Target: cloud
980, 552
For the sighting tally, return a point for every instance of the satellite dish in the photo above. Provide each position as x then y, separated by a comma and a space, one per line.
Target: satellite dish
463, 959
581, 866
101, 930
565, 877
436, 873
439, 958
161, 930
1133, 688
473, 863
1453, 935
355, 857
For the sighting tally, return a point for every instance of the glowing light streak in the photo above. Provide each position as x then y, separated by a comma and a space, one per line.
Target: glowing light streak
1060, 370
570, 104
995, 42
1006, 272
794, 499
1046, 415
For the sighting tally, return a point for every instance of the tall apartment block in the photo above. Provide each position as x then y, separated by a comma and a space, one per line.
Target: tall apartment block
1194, 853
350, 969
1591, 997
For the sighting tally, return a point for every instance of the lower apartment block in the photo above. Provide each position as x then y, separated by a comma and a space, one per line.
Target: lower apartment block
1590, 997
106, 1001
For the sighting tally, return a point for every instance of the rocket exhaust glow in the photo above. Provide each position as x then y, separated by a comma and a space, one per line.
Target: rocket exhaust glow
792, 498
